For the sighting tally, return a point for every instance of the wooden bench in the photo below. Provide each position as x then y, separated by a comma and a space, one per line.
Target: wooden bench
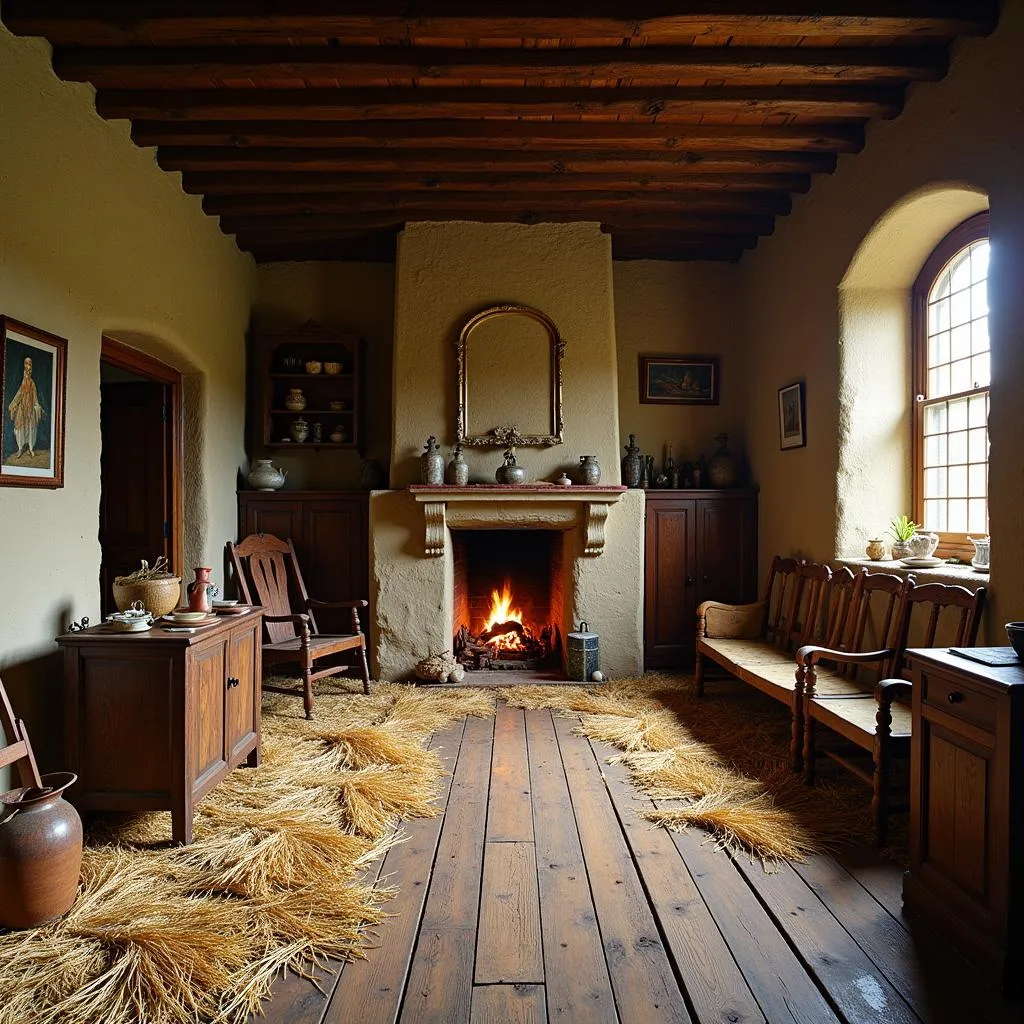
874, 714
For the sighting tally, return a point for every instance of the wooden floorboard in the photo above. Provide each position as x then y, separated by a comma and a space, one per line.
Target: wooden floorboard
542, 895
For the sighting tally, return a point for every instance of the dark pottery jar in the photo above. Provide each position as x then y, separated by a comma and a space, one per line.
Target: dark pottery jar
510, 472
590, 471
632, 464
432, 464
40, 853
723, 469
457, 473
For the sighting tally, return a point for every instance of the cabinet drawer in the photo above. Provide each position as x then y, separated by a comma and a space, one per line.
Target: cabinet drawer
954, 698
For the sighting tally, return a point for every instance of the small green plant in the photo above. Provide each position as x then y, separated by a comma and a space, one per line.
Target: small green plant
903, 527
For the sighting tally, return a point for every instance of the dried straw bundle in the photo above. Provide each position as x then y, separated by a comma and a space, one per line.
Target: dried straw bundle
182, 935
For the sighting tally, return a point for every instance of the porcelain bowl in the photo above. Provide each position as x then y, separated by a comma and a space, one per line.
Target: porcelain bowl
1015, 634
188, 616
313, 366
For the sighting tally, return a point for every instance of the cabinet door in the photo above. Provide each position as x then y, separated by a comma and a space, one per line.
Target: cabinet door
669, 582
726, 553
334, 557
241, 695
204, 715
281, 518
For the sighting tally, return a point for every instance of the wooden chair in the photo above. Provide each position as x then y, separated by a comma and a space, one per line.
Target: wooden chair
869, 716
18, 750
268, 575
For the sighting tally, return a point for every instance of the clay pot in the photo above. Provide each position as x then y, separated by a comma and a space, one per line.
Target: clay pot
589, 471
199, 598
295, 400
158, 597
40, 853
876, 549
265, 476
432, 464
723, 470
457, 473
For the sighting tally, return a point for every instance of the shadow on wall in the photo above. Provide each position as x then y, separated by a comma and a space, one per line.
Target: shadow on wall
36, 690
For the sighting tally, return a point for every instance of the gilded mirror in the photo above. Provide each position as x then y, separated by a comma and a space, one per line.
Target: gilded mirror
510, 378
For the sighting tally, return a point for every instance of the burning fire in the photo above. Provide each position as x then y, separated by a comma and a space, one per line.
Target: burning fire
502, 612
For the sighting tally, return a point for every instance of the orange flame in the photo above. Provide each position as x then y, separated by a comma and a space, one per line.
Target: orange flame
502, 611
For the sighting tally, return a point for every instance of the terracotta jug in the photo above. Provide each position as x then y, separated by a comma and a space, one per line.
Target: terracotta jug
198, 591
40, 853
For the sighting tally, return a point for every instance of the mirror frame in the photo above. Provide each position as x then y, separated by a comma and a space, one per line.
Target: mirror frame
509, 435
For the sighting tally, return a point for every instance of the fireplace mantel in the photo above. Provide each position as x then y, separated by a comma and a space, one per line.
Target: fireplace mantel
536, 506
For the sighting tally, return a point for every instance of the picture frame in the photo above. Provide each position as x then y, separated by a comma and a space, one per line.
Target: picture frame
33, 383
792, 423
679, 380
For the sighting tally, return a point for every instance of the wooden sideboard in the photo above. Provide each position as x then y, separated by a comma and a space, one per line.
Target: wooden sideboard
966, 876
699, 546
155, 720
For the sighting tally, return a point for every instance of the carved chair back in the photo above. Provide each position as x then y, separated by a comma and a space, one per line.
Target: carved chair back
807, 618
778, 599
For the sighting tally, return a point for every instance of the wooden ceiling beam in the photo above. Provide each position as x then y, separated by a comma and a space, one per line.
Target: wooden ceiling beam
206, 67
514, 135
826, 102
313, 163
198, 22
306, 206
271, 187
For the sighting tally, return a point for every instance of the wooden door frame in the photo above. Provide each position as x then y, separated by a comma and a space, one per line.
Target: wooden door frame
127, 358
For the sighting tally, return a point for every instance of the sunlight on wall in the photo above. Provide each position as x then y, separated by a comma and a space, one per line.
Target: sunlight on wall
873, 477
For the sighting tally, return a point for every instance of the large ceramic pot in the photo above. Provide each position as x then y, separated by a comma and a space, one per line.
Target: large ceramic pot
510, 472
723, 470
40, 853
589, 471
158, 596
265, 476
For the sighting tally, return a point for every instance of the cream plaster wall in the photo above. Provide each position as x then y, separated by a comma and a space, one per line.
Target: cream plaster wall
967, 129
348, 296
679, 308
445, 273
96, 239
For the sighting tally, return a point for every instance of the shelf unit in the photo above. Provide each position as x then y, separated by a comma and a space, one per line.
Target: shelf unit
279, 366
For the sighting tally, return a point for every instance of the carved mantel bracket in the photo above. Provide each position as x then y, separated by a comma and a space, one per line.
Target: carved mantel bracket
487, 507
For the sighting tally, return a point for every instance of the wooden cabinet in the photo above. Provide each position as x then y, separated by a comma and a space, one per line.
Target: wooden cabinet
330, 531
155, 720
700, 545
280, 367
966, 876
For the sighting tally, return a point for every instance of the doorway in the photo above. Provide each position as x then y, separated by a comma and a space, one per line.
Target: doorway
140, 464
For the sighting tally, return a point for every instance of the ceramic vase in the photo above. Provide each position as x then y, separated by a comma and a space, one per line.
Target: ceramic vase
40, 853
432, 464
198, 591
457, 473
338, 435
510, 472
901, 549
299, 430
265, 476
295, 401
723, 470
876, 549
632, 464
589, 471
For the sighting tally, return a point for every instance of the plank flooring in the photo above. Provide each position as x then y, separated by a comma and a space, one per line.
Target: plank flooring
542, 895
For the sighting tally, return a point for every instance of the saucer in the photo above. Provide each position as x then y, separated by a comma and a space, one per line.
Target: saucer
921, 563
226, 603
231, 609
202, 620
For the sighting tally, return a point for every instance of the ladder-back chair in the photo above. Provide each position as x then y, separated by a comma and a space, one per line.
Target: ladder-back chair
268, 575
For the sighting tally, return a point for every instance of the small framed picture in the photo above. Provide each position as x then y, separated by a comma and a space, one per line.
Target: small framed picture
792, 429
33, 381
679, 380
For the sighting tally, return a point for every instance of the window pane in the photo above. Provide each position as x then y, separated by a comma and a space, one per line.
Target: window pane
958, 448
941, 382
979, 300
961, 311
935, 515
977, 515
976, 482
957, 515
981, 371
960, 271
935, 450
957, 486
941, 286
957, 414
979, 335
979, 261
979, 445
935, 483
960, 342
960, 376
938, 316
935, 419
978, 415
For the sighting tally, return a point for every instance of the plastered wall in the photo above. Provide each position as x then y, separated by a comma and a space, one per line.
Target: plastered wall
679, 309
95, 239
969, 130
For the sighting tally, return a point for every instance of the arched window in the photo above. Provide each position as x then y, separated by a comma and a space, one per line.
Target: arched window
951, 377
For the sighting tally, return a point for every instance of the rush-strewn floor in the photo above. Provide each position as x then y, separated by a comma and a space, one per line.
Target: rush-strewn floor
541, 896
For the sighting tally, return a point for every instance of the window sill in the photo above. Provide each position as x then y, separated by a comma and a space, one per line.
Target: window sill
964, 575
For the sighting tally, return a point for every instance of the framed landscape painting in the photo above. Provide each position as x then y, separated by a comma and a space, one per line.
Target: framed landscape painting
33, 381
792, 430
679, 380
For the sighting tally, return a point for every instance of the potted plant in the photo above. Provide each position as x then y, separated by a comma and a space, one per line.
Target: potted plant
902, 528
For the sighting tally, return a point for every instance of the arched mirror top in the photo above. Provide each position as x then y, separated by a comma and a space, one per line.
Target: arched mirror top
510, 378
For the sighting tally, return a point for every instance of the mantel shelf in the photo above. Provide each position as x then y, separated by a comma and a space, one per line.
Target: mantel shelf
532, 506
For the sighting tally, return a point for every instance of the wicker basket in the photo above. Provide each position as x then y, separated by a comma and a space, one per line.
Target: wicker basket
158, 597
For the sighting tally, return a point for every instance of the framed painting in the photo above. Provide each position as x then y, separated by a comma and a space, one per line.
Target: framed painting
679, 380
33, 381
792, 429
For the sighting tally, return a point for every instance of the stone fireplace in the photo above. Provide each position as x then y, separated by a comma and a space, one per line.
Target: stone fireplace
585, 543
